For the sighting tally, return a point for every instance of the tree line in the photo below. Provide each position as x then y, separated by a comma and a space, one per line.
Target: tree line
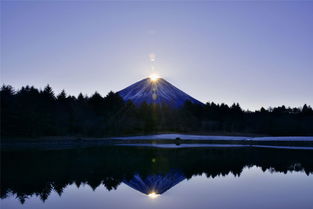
32, 112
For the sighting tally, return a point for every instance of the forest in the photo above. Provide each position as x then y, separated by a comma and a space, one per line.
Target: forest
32, 112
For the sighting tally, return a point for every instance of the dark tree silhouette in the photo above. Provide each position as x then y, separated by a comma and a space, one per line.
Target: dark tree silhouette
30, 112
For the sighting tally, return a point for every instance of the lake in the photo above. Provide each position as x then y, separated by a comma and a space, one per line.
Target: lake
152, 177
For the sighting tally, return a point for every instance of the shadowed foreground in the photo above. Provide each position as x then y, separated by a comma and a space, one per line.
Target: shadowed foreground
32, 172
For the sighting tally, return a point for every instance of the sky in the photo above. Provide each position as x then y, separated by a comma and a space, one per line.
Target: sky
256, 53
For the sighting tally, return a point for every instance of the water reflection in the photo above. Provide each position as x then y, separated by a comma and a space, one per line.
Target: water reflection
150, 171
155, 184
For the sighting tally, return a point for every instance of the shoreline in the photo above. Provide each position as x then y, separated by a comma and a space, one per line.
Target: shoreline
175, 140
165, 136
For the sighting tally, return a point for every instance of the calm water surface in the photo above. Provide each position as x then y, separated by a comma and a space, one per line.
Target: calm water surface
138, 177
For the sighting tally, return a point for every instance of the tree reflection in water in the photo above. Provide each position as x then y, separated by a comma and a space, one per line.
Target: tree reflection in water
148, 170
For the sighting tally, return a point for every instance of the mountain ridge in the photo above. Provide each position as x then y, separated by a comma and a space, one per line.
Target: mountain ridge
156, 92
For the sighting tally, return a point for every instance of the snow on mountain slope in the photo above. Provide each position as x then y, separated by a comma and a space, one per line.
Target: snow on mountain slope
158, 92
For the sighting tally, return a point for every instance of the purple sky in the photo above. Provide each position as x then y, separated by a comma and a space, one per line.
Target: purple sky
254, 53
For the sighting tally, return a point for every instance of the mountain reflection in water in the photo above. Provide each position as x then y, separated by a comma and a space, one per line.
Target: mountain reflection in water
155, 184
151, 171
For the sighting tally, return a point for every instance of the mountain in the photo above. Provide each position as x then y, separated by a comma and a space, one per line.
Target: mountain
156, 183
155, 91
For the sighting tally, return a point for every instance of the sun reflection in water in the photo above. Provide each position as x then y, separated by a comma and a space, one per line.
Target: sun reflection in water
153, 195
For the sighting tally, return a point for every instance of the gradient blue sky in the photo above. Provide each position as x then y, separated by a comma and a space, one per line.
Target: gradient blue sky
254, 53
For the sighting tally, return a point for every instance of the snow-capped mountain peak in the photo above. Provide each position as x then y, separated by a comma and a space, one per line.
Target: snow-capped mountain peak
155, 91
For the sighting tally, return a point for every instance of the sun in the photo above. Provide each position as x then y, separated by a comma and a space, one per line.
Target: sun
154, 77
